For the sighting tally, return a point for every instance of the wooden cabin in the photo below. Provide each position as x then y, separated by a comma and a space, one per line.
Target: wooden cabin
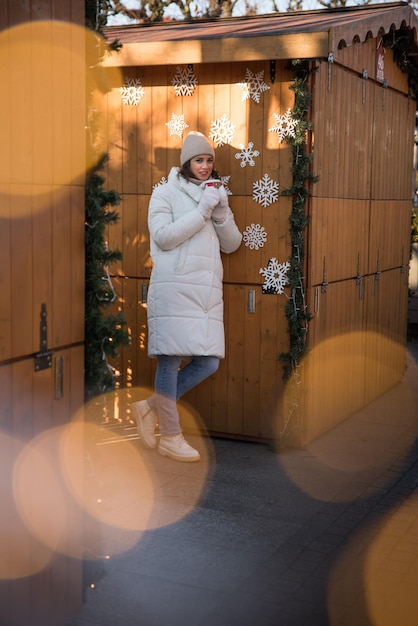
234, 80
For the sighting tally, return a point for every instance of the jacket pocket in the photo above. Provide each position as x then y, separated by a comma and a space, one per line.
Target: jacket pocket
181, 258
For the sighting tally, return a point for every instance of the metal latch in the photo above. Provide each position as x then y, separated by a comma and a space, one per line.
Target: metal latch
251, 301
43, 359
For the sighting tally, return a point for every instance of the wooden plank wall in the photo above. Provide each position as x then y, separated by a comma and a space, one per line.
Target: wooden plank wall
42, 169
243, 397
358, 235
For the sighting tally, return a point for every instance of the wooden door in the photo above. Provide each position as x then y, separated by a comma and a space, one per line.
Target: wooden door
42, 169
334, 365
244, 398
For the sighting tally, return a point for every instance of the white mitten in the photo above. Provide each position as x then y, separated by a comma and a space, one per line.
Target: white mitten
208, 200
219, 213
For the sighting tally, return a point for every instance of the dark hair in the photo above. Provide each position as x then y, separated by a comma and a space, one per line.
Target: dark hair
187, 172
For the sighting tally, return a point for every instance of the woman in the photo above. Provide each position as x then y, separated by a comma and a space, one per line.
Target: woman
190, 223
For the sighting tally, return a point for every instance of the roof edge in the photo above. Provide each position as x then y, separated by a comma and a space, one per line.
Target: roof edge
340, 27
111, 31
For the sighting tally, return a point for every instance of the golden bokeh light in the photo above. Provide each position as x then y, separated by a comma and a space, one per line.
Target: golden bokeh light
391, 568
116, 487
44, 503
47, 73
333, 386
88, 489
375, 577
21, 554
124, 485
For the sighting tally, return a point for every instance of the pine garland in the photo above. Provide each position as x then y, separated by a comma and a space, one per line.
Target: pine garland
103, 333
296, 308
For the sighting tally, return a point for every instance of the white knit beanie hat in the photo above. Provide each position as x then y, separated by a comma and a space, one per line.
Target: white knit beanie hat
194, 144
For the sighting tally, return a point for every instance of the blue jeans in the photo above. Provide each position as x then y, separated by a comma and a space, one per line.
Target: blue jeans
171, 383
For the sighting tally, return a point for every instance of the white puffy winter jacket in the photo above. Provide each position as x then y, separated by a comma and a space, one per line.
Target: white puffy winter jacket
185, 297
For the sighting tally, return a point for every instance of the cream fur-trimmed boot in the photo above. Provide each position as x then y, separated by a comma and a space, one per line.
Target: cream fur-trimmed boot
177, 448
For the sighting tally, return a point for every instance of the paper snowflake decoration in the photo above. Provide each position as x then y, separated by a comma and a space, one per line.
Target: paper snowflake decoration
254, 236
265, 191
285, 125
184, 81
163, 181
222, 130
225, 183
253, 86
177, 125
247, 154
132, 91
275, 275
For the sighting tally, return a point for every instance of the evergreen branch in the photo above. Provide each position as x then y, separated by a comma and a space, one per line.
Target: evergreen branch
103, 333
296, 310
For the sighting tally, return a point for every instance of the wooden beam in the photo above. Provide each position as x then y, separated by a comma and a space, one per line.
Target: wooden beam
233, 49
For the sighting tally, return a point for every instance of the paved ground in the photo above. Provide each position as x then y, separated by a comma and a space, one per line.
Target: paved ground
325, 536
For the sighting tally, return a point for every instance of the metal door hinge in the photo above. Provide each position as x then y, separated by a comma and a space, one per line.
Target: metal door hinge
43, 359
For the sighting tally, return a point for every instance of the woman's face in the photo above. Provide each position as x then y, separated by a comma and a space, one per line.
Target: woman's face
201, 166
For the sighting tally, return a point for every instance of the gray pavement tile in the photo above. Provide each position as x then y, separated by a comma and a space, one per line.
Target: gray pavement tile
230, 530
315, 556
277, 581
260, 502
191, 563
302, 609
243, 610
127, 600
